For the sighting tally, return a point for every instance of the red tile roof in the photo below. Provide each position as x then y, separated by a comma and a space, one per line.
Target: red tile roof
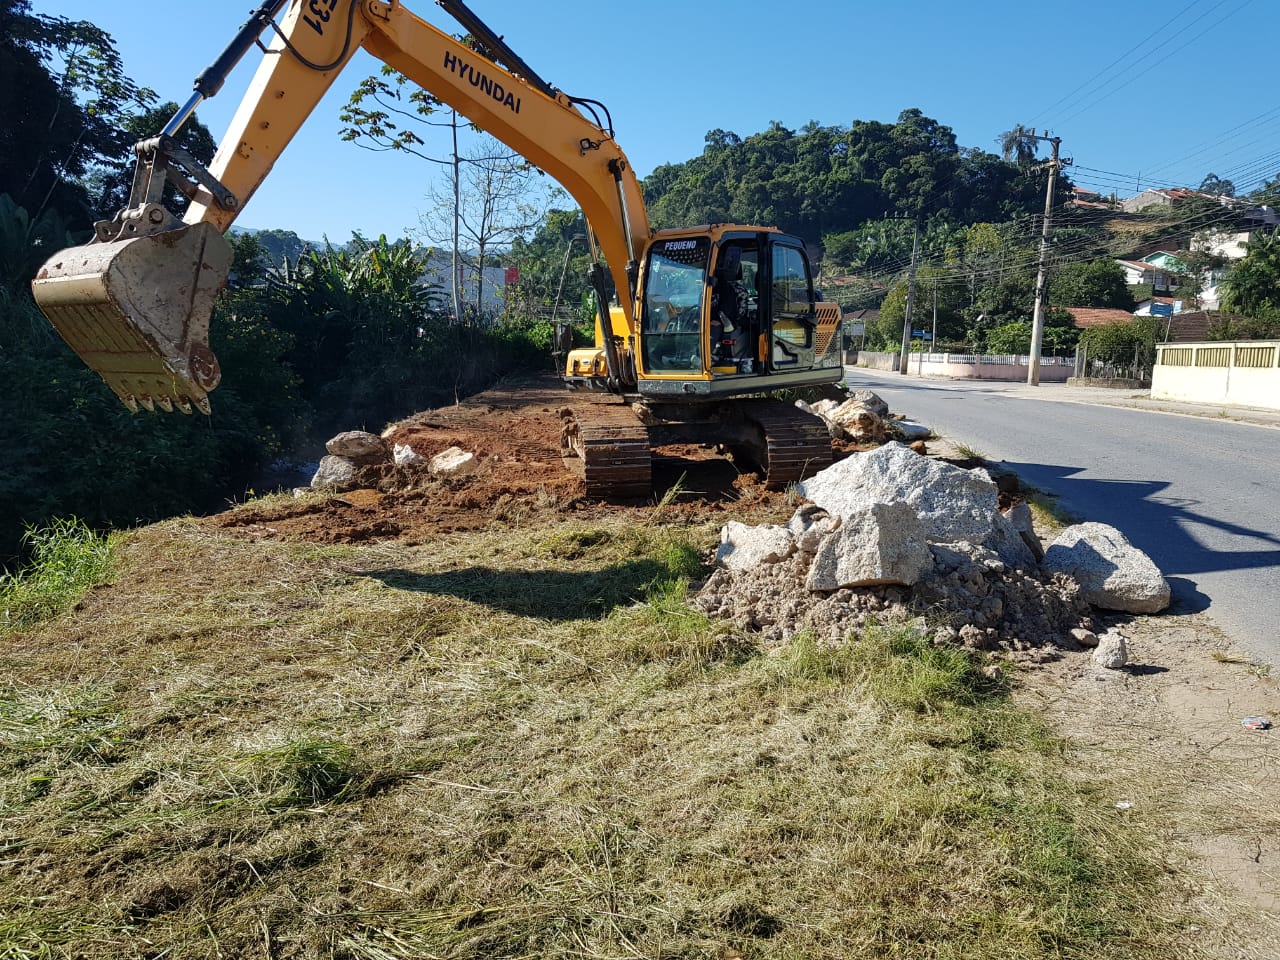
1085, 317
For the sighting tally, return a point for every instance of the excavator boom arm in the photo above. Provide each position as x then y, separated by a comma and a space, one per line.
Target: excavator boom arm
546, 130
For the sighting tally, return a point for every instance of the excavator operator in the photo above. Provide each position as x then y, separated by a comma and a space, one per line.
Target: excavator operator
731, 334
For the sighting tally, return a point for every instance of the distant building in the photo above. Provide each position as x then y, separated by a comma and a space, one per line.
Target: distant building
1085, 317
1139, 272
439, 267
1151, 199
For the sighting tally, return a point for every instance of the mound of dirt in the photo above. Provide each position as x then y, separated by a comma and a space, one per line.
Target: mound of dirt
980, 602
514, 432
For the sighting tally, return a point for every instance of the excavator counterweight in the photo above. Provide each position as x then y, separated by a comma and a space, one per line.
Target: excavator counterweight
137, 312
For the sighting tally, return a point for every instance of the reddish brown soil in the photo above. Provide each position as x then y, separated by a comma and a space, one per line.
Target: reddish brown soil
514, 430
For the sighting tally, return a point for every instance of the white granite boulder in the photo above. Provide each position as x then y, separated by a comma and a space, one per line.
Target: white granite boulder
453, 462
872, 401
909, 430
881, 543
338, 474
953, 504
744, 548
1112, 573
857, 421
405, 456
1019, 515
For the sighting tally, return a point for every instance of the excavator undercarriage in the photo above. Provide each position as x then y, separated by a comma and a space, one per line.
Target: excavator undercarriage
611, 446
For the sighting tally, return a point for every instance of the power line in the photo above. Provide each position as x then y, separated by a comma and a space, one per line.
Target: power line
1103, 96
1133, 49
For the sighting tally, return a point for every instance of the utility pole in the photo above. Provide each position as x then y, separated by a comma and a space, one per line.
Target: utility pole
933, 342
1037, 320
911, 295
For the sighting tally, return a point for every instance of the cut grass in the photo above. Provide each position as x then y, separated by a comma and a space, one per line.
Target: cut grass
67, 559
524, 744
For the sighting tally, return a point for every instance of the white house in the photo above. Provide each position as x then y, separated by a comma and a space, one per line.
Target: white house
1141, 272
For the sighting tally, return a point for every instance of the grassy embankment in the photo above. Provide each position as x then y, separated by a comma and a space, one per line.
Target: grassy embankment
522, 743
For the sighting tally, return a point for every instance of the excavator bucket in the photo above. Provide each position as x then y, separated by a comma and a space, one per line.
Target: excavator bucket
137, 312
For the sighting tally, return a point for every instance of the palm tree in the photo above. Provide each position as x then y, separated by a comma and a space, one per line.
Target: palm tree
1019, 145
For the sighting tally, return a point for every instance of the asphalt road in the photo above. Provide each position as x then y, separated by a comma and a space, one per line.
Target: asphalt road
1200, 495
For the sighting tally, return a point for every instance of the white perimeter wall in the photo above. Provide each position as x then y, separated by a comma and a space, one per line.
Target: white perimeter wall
1245, 373
967, 366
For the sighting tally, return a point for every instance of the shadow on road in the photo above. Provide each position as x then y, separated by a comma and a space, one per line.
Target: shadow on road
1163, 527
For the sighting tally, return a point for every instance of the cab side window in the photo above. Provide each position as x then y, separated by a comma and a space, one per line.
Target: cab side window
792, 293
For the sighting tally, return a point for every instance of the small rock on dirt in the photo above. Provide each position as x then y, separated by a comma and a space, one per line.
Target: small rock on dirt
358, 445
453, 462
1086, 638
1111, 653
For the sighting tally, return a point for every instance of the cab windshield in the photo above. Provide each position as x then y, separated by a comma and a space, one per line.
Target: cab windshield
675, 285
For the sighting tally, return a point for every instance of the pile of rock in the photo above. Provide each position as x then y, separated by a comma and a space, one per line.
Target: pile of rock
890, 535
863, 417
360, 459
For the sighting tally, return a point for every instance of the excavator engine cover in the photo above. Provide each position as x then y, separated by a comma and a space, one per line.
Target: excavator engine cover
137, 312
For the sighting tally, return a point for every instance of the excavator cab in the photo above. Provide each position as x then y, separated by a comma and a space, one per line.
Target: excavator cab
730, 311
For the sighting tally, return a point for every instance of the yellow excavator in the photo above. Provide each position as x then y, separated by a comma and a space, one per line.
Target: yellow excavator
701, 322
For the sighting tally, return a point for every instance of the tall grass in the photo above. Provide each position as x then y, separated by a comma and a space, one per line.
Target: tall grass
67, 558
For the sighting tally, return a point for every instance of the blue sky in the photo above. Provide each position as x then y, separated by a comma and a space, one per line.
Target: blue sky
1169, 91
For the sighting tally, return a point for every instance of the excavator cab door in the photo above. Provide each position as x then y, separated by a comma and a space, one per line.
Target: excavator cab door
788, 337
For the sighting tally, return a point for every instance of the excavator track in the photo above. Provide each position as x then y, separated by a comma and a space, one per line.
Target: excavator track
609, 448
795, 445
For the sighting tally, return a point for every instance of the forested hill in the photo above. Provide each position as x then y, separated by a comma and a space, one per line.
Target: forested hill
823, 181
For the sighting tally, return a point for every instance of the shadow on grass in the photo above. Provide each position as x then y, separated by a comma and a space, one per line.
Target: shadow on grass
546, 594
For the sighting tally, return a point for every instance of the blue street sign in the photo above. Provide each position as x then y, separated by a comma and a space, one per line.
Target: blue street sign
1162, 309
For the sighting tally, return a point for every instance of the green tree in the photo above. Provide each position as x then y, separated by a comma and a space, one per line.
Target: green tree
1009, 338
112, 179
64, 96
1218, 187
952, 299
1120, 343
1096, 283
1252, 286
1019, 145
